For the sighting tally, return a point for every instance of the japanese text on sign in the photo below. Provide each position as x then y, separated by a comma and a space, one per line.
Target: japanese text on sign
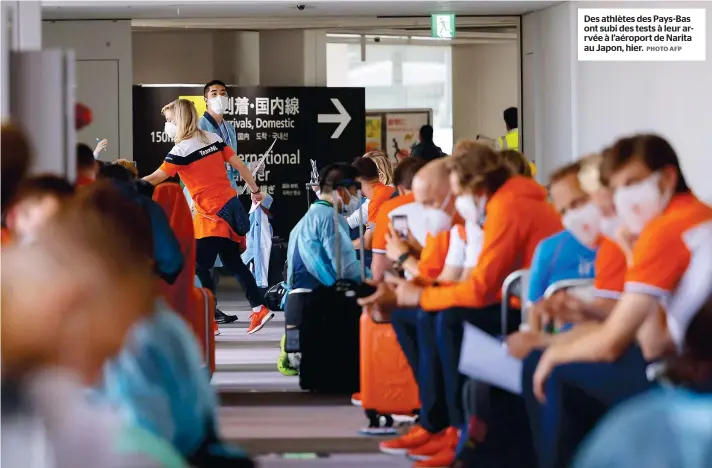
264, 106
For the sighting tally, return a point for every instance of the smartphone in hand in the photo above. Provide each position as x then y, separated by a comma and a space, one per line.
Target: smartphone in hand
400, 224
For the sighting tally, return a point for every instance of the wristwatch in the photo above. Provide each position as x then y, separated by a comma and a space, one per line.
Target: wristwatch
255, 193
402, 259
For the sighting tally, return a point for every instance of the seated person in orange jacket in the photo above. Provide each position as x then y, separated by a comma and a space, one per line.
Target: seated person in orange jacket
516, 217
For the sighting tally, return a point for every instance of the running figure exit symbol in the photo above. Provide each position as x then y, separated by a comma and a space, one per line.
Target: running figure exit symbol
342, 118
442, 26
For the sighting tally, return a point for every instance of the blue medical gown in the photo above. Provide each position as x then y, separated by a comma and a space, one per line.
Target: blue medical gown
314, 237
160, 383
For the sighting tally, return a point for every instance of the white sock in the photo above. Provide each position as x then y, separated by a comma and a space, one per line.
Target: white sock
256, 309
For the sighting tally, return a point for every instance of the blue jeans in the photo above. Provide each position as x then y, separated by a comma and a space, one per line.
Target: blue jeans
577, 397
413, 329
432, 342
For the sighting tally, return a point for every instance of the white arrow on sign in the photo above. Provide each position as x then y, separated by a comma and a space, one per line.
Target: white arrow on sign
342, 118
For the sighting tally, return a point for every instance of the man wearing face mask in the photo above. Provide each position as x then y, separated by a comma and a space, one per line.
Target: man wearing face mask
216, 101
671, 265
582, 250
517, 217
311, 255
438, 215
569, 254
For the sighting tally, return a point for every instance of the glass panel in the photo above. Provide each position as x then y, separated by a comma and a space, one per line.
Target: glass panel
399, 76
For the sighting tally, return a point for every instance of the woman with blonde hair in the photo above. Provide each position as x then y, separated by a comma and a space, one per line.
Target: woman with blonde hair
384, 165
199, 158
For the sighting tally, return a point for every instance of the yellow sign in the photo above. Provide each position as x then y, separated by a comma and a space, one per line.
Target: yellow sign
199, 102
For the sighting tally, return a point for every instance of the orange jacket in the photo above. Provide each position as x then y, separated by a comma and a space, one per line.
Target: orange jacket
518, 217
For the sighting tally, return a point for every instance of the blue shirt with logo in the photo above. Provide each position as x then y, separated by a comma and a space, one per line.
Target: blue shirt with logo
556, 258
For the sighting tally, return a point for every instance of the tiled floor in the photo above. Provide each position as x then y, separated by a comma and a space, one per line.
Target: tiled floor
265, 412
337, 461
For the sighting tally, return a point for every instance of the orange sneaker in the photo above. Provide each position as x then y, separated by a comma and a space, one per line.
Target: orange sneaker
443, 459
356, 399
442, 441
414, 438
259, 319
216, 329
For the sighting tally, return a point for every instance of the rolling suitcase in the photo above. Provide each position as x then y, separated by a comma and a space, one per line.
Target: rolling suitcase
388, 386
206, 305
329, 334
277, 260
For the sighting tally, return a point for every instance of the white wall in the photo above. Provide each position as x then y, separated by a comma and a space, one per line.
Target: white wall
292, 58
583, 106
196, 57
484, 83
173, 57
547, 87
99, 41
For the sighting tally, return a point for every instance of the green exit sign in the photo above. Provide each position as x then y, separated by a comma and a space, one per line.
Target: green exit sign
442, 26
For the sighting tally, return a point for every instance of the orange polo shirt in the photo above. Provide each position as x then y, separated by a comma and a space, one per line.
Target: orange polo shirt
610, 267
381, 194
383, 220
201, 167
518, 217
672, 260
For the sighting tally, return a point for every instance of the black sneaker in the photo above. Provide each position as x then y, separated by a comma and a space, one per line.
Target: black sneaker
222, 318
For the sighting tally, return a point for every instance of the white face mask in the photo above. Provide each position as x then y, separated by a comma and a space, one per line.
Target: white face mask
609, 226
436, 219
638, 204
470, 208
584, 223
171, 130
218, 104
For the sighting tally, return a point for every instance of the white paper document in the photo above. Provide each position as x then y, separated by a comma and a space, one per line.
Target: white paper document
485, 358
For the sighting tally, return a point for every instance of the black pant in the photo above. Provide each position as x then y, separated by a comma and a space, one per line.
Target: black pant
207, 250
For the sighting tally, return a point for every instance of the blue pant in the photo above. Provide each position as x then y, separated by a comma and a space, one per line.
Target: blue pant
577, 396
432, 343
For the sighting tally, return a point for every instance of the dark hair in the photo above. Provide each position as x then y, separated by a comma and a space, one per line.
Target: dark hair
653, 150
511, 117
213, 83
405, 171
426, 133
697, 351
126, 218
518, 162
85, 157
565, 171
366, 168
40, 186
16, 159
337, 175
117, 172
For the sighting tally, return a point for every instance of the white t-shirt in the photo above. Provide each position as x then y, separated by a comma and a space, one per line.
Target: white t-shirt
475, 239
465, 246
